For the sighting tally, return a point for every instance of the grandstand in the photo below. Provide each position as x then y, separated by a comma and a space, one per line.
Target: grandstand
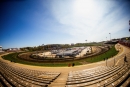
125, 41
116, 73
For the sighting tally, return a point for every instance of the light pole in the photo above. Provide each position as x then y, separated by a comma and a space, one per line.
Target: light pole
43, 50
86, 42
110, 36
129, 25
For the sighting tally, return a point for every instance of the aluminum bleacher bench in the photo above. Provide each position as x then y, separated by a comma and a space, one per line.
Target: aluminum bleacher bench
4, 81
126, 83
90, 77
99, 77
20, 81
118, 81
22, 77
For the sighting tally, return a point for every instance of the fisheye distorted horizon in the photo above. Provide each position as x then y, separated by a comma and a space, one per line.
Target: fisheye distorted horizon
35, 22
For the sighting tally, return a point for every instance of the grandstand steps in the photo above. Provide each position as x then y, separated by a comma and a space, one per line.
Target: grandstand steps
60, 81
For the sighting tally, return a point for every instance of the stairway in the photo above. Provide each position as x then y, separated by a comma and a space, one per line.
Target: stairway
60, 81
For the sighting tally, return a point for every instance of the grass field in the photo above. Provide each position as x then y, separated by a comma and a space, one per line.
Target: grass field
108, 54
13, 57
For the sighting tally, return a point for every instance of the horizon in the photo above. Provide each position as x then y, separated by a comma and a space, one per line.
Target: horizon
32, 23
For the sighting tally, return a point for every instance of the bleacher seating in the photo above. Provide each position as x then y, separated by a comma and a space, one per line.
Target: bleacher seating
125, 42
98, 77
21, 77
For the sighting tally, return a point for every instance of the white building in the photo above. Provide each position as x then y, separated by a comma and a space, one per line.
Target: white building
13, 49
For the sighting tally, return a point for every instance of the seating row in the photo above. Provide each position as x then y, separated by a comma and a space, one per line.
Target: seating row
21, 77
99, 76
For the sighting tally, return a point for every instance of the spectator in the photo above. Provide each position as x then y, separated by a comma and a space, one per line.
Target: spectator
69, 65
125, 59
73, 64
104, 59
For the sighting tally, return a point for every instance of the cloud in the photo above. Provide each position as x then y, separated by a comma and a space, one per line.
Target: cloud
91, 19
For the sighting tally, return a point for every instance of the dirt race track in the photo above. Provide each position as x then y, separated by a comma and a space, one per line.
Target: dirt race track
61, 80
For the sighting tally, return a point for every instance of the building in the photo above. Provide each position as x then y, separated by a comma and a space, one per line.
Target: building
13, 49
0, 48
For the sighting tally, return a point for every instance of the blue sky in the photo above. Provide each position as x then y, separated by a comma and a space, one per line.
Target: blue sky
35, 22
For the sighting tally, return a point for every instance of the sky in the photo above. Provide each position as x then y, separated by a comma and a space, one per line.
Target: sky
35, 22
